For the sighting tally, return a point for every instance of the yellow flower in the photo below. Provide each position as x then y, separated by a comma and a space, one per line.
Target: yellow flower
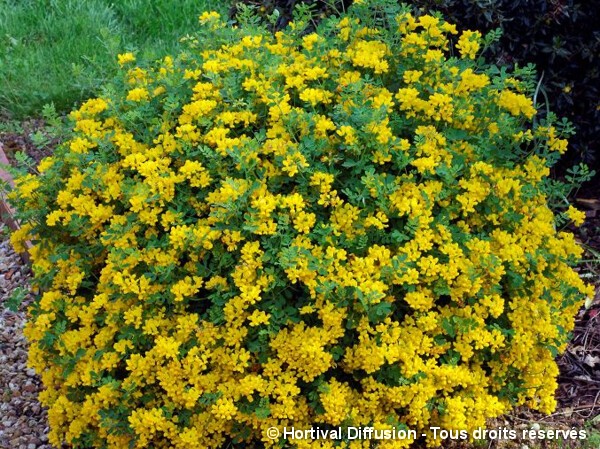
304, 222
516, 103
468, 44
370, 54
576, 216
224, 409
138, 94
208, 16
125, 58
259, 317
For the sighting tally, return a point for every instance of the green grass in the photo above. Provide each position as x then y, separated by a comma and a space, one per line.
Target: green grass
62, 51
593, 434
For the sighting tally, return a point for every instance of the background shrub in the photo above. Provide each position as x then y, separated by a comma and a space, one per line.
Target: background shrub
347, 227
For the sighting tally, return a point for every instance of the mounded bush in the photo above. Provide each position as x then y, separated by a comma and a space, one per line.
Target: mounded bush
348, 227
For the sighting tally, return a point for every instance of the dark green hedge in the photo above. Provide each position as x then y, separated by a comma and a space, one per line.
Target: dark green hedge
562, 37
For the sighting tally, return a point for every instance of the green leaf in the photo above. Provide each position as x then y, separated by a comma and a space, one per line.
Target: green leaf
448, 326
378, 311
14, 301
262, 412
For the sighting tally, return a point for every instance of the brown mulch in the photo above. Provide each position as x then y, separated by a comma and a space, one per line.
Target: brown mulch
15, 141
579, 381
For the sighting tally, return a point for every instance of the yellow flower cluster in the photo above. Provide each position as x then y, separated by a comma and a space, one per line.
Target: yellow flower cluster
299, 230
468, 44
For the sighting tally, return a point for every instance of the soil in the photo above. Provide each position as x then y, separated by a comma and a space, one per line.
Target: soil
24, 140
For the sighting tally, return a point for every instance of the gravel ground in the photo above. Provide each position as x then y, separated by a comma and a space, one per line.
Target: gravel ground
23, 421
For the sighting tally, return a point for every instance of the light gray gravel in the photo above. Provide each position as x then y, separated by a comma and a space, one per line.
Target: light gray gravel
23, 421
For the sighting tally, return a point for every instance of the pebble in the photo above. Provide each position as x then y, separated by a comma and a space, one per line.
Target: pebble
23, 421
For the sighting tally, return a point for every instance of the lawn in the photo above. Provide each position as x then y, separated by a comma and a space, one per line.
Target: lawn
61, 51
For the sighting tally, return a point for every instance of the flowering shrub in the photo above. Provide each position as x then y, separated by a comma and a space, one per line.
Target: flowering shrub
348, 227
